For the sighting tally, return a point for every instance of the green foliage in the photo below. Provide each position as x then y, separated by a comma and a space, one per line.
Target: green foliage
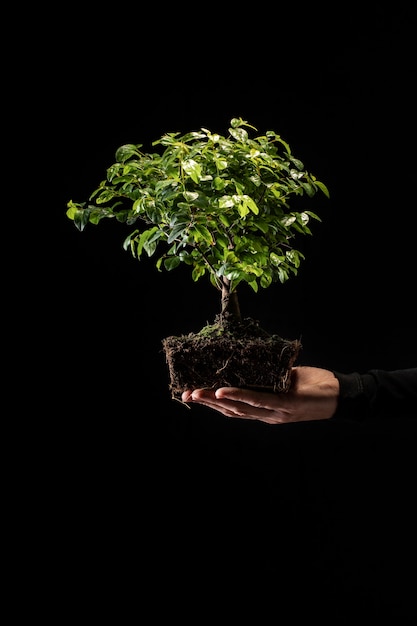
220, 205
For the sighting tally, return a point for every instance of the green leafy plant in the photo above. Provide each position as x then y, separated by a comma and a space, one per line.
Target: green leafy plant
224, 206
220, 205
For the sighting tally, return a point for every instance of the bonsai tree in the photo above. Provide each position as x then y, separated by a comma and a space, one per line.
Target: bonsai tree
222, 206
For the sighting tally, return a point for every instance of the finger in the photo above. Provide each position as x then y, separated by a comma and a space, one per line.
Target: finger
186, 396
257, 399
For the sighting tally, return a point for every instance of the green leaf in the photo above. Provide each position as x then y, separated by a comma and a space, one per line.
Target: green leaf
242, 208
218, 183
144, 237
171, 262
251, 204
224, 219
225, 202
150, 247
198, 272
266, 280
127, 151
193, 169
177, 232
322, 187
190, 196
203, 233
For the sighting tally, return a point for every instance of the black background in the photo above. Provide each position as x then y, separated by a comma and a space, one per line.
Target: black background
210, 515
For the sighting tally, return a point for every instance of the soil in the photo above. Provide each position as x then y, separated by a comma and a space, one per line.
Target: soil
230, 353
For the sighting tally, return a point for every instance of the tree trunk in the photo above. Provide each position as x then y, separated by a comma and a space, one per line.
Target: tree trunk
230, 301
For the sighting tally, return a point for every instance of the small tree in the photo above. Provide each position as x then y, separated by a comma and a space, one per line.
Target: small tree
221, 205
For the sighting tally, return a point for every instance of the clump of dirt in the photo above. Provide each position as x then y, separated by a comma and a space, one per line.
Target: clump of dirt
230, 353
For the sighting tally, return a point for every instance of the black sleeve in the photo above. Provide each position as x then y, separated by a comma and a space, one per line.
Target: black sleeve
377, 394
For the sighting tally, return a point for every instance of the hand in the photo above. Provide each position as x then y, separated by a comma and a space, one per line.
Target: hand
313, 395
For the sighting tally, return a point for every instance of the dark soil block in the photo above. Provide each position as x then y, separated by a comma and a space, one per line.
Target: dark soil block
232, 354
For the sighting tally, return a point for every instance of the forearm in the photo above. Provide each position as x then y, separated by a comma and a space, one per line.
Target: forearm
377, 394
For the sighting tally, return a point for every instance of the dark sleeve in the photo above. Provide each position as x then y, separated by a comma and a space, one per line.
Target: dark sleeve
377, 394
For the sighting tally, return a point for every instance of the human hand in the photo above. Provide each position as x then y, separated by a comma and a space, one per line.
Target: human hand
313, 395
